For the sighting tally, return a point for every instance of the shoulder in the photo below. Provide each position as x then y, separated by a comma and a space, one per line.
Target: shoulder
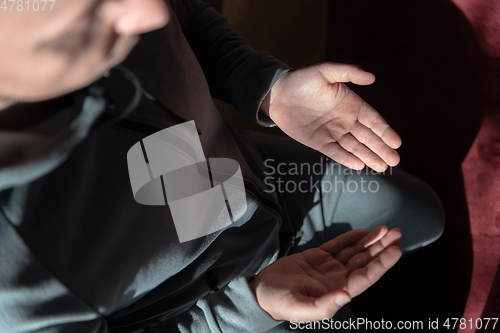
183, 10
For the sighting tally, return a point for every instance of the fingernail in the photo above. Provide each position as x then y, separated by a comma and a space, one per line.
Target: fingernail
382, 167
342, 301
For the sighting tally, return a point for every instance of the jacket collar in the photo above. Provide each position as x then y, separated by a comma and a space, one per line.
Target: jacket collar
30, 154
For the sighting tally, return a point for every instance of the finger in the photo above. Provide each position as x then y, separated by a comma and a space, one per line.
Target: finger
363, 278
352, 145
340, 155
361, 259
338, 243
348, 252
305, 308
371, 140
374, 121
392, 237
334, 72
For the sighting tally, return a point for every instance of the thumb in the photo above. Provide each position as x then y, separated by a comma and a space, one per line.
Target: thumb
306, 308
334, 300
334, 72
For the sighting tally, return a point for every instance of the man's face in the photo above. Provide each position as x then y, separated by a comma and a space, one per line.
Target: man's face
45, 54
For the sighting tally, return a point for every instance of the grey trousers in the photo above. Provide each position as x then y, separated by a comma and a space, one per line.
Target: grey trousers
321, 199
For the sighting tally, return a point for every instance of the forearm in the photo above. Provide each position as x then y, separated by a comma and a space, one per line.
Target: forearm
230, 309
236, 73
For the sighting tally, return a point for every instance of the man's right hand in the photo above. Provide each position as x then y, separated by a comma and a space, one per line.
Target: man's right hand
314, 107
316, 283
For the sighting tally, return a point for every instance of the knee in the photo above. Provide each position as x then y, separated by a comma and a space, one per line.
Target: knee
423, 212
434, 222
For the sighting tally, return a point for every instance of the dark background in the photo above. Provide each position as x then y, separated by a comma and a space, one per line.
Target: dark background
437, 65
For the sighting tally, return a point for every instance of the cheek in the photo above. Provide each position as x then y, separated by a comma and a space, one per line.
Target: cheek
21, 74
89, 63
98, 56
88, 59
29, 75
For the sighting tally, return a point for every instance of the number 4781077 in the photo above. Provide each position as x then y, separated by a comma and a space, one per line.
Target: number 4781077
20, 5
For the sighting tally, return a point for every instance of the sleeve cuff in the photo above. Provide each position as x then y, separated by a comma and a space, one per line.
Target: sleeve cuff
262, 113
262, 117
245, 314
253, 82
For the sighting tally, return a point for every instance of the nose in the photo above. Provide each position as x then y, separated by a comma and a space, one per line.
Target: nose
141, 16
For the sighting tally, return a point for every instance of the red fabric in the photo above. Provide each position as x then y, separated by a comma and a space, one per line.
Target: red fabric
484, 15
481, 171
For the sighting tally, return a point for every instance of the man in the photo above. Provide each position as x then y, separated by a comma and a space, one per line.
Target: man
78, 254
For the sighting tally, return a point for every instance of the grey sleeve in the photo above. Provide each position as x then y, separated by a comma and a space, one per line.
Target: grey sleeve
235, 72
32, 299
230, 309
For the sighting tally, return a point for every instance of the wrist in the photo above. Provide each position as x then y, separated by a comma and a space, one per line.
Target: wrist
264, 106
253, 287
270, 99
275, 95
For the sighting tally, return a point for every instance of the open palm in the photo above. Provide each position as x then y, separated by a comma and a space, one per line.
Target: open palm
316, 283
313, 106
